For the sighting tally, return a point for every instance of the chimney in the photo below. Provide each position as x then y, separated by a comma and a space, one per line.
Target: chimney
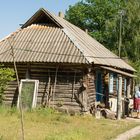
60, 14
86, 30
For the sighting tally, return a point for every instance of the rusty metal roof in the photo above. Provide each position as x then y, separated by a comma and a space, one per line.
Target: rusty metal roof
62, 43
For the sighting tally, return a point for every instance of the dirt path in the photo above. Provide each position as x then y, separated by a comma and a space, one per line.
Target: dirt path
130, 133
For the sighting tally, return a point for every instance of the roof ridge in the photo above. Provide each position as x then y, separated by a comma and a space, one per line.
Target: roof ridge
10, 35
19, 30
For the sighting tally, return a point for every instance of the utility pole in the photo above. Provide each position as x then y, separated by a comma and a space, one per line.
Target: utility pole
120, 32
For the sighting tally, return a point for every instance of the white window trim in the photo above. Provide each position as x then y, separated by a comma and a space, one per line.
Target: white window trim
34, 102
111, 83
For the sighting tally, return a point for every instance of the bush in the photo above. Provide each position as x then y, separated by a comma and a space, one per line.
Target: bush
6, 75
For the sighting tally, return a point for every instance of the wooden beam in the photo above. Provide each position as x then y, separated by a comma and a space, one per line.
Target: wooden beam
128, 87
73, 86
119, 98
55, 81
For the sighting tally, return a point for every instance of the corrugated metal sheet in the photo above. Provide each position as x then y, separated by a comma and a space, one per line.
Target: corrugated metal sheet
92, 49
65, 43
40, 43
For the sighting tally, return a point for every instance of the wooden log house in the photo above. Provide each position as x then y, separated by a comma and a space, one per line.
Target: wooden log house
73, 70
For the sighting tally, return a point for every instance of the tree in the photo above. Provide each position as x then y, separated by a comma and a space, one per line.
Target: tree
6, 75
131, 33
102, 18
99, 17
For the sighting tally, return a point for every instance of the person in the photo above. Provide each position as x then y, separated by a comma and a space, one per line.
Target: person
137, 102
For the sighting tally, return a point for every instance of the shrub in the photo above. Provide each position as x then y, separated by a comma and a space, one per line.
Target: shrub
6, 75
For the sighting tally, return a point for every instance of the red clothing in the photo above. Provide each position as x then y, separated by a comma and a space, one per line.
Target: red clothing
137, 103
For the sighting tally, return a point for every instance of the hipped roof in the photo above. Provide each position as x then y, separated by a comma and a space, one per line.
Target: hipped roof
56, 40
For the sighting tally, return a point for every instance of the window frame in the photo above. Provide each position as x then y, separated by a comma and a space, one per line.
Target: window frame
111, 83
35, 94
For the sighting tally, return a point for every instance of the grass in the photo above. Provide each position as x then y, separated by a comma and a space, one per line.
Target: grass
47, 124
136, 138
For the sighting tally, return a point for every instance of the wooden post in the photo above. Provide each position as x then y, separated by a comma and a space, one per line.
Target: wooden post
85, 96
73, 86
128, 91
119, 100
27, 75
128, 88
133, 86
55, 81
48, 94
84, 93
106, 89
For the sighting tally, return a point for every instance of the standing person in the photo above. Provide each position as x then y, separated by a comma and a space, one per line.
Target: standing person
137, 102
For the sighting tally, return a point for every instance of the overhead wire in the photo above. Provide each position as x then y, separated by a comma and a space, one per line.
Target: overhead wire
44, 52
5, 51
53, 53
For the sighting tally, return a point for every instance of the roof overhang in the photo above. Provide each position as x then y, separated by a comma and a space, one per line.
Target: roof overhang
118, 71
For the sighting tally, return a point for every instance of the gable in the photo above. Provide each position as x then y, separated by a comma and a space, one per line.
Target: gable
41, 17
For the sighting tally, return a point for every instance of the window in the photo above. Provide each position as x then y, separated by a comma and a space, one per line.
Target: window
28, 90
111, 80
99, 92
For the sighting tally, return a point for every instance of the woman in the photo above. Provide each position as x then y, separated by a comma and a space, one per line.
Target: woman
137, 102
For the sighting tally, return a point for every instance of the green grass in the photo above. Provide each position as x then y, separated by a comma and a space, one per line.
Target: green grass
47, 124
136, 138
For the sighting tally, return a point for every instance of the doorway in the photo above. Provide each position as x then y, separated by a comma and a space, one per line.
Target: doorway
99, 94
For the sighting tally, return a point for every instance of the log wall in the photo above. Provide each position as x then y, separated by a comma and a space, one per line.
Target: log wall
58, 86
91, 90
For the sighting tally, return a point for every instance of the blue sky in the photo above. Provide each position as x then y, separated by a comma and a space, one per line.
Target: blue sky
15, 12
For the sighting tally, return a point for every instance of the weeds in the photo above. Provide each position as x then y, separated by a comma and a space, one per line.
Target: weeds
1, 137
48, 124
8, 111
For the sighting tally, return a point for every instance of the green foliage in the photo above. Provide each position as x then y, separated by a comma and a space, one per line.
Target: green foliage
102, 19
136, 65
99, 17
136, 138
75, 134
131, 30
8, 111
1, 137
6, 75
44, 111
